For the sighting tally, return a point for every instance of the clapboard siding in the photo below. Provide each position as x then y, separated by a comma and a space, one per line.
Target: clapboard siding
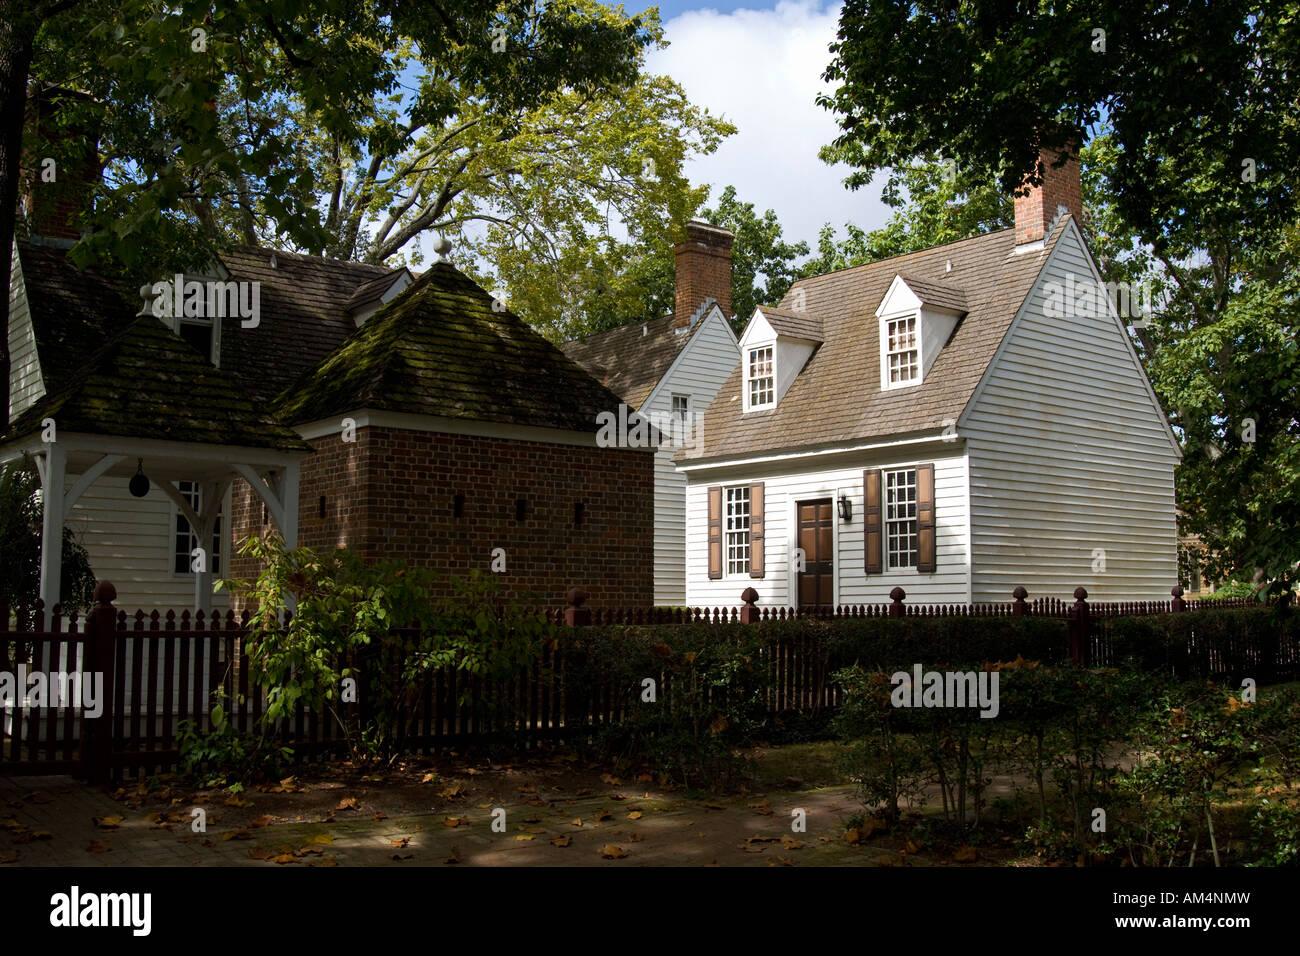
129, 542
1069, 453
699, 372
25, 383
786, 485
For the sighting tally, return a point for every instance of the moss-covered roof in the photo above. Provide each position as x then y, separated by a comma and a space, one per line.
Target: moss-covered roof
440, 349
147, 382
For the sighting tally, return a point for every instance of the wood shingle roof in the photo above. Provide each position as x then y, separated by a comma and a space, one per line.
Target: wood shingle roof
836, 398
631, 359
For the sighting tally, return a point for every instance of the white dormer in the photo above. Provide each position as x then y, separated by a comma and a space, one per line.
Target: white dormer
773, 350
916, 318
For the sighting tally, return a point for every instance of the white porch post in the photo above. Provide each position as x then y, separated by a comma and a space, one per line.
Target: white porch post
52, 481
289, 498
211, 496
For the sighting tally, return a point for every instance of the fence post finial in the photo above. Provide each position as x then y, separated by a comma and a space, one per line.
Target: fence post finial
575, 615
1019, 606
896, 609
1178, 604
749, 613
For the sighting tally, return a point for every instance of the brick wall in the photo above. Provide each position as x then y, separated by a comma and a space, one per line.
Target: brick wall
392, 494
1036, 210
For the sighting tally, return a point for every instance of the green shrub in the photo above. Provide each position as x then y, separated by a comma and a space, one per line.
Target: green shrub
223, 755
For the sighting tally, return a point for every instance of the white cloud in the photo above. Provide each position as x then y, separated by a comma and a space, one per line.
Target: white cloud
762, 70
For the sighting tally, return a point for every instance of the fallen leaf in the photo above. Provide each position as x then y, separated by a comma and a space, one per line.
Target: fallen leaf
284, 858
635, 815
967, 854
852, 837
790, 843
327, 861
379, 816
611, 852
645, 778
237, 835
528, 788
602, 815
347, 803
636, 837
872, 826
108, 823
400, 844
912, 847
577, 822
561, 840
430, 778
263, 821
261, 853
42, 835
525, 836
455, 856
454, 791
619, 796
234, 801
455, 821
762, 807
325, 839
714, 806
584, 792
472, 772
95, 846
611, 780
401, 856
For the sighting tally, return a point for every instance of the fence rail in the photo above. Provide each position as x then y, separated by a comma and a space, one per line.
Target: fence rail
161, 671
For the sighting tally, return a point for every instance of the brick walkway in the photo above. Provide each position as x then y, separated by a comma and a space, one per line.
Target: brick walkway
50, 821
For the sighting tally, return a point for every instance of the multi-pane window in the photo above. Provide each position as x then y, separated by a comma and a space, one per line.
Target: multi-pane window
737, 530
198, 332
901, 538
681, 407
762, 385
186, 540
903, 361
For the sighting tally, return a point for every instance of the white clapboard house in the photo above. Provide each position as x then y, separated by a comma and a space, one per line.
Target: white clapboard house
957, 421
667, 370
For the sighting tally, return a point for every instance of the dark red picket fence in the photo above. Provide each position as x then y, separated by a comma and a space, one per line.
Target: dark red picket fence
162, 669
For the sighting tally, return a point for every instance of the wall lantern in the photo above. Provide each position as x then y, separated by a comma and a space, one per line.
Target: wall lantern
139, 485
846, 508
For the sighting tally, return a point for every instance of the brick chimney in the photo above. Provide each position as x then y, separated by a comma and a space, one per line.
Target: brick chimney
1039, 207
54, 196
703, 265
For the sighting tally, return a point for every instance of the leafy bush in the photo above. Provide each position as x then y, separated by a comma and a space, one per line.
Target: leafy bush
20, 543
1233, 589
222, 754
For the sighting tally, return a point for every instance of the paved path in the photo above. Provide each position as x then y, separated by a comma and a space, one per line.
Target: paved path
51, 821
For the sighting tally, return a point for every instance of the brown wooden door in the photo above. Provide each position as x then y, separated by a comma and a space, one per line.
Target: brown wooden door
817, 538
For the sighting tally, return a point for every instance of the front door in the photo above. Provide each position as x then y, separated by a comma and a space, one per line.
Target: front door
816, 538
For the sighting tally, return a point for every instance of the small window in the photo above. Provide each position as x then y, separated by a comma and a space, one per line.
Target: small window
199, 335
681, 407
186, 541
902, 351
762, 384
737, 528
901, 538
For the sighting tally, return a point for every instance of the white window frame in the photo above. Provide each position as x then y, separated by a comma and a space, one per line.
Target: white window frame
216, 552
683, 413
900, 527
906, 358
751, 379
735, 531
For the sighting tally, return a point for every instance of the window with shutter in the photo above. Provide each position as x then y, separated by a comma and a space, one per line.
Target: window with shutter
871, 520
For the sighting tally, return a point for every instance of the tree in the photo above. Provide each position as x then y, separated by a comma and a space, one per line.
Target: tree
20, 542
640, 282
1194, 112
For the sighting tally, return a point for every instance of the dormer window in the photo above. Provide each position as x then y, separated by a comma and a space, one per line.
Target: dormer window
917, 317
904, 358
762, 383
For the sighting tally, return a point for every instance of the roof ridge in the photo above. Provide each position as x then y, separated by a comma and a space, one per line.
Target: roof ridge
914, 252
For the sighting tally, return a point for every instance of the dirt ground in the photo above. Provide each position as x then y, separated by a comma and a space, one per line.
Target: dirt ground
551, 810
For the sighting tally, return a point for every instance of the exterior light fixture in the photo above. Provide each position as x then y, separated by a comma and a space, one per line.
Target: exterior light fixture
139, 485
846, 508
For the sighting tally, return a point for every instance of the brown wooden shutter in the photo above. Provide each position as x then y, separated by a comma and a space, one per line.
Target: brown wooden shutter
715, 531
872, 521
756, 536
925, 556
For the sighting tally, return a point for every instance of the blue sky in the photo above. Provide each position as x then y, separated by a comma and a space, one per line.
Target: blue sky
759, 64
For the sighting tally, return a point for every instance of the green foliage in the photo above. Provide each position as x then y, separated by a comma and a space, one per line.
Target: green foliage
222, 755
364, 639
708, 688
20, 542
1233, 590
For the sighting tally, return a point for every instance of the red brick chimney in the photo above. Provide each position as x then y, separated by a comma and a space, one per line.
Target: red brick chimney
703, 270
54, 196
1061, 187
